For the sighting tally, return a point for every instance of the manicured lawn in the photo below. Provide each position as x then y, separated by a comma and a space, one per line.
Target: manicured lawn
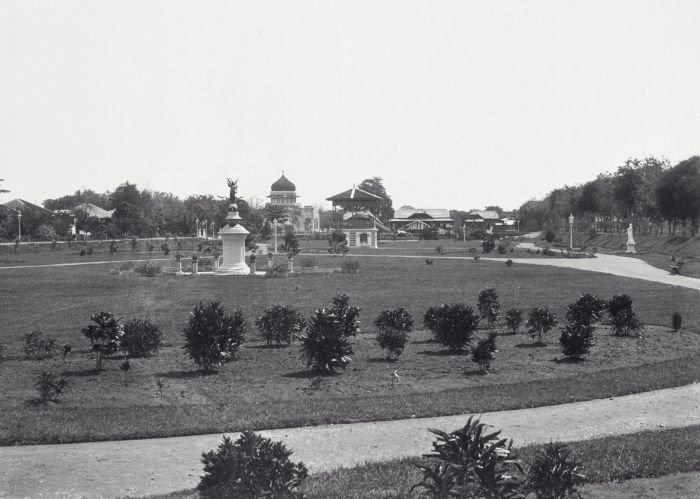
611, 459
270, 387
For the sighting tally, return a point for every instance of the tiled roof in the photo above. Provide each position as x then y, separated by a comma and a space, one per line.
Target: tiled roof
405, 213
94, 211
354, 194
485, 214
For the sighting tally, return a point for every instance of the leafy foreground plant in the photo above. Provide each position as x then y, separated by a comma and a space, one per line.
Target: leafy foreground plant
281, 324
588, 310
394, 326
212, 336
475, 464
251, 467
326, 344
514, 317
141, 338
38, 346
554, 472
576, 340
50, 386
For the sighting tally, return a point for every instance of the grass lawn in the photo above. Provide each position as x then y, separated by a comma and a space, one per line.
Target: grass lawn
269, 387
611, 459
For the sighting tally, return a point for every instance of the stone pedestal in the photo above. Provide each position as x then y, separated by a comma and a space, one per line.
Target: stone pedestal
233, 238
630, 247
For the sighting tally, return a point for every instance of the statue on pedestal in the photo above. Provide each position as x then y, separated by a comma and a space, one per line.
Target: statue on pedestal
630, 240
233, 185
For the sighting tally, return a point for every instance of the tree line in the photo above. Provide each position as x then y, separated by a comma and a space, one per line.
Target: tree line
650, 193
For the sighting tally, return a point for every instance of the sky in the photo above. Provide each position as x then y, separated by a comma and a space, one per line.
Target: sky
454, 104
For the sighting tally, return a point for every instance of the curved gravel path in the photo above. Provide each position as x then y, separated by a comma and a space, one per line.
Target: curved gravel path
157, 466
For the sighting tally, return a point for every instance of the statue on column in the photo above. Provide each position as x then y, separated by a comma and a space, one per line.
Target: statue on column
233, 185
630, 235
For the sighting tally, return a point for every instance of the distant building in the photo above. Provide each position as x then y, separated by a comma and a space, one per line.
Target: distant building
352, 214
414, 220
486, 220
304, 219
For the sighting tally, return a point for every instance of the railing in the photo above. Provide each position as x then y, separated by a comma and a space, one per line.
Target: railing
356, 223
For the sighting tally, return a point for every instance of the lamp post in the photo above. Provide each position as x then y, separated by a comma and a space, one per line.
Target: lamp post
19, 225
275, 223
571, 232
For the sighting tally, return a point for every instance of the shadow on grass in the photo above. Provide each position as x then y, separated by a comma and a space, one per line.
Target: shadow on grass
269, 347
570, 360
306, 374
536, 344
382, 360
82, 373
442, 353
186, 374
423, 342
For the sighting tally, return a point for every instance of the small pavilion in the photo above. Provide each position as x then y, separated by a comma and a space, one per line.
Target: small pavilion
352, 213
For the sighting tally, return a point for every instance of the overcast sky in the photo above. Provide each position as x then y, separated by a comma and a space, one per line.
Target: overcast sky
455, 104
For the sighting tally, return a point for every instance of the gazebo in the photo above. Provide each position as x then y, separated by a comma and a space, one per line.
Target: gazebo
352, 213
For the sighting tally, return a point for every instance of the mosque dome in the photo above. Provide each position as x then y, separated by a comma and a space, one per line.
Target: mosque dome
283, 184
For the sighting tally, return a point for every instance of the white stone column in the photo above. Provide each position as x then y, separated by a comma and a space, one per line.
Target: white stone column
234, 250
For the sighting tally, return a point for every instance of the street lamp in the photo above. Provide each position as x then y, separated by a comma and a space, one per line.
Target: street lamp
571, 231
275, 223
19, 225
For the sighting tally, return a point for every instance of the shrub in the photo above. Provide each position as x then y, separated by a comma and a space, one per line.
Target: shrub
479, 234
148, 269
588, 310
308, 262
338, 242
440, 250
133, 243
113, 247
488, 245
540, 321
250, 467
477, 463
165, 247
622, 317
428, 234
394, 326
429, 261
291, 243
37, 346
326, 344
281, 324
212, 336
489, 305
514, 317
350, 266
501, 249
452, 325
509, 262
277, 270
576, 339
549, 236
105, 335
483, 352
554, 472
50, 386
676, 321
141, 338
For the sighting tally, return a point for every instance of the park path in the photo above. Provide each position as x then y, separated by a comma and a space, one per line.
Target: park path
157, 466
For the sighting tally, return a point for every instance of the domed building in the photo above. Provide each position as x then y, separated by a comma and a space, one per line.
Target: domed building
304, 219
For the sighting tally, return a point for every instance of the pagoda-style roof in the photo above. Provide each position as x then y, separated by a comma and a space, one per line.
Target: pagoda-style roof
354, 195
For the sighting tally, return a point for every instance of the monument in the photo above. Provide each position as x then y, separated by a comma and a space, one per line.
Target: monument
233, 238
630, 240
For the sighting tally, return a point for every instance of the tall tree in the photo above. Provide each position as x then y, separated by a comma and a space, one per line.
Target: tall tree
678, 194
375, 186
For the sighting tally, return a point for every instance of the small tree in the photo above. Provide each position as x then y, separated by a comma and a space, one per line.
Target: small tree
550, 236
394, 326
622, 317
142, 338
576, 340
452, 325
588, 310
676, 321
212, 336
488, 245
483, 352
105, 335
489, 306
281, 324
514, 317
38, 346
338, 242
250, 467
540, 321
50, 386
291, 244
555, 472
326, 344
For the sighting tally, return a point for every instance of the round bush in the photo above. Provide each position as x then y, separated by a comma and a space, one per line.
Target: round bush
452, 325
280, 324
142, 338
212, 336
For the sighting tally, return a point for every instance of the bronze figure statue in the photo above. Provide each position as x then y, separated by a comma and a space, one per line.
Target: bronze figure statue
233, 185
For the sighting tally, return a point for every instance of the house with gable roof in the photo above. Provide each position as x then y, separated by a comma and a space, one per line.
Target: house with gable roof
414, 220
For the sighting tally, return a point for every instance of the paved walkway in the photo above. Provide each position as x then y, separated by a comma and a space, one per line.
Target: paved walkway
156, 466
